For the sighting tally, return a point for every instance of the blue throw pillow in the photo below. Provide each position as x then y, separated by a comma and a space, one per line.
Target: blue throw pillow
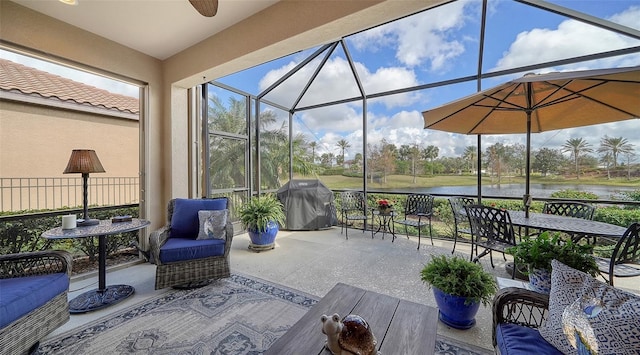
185, 222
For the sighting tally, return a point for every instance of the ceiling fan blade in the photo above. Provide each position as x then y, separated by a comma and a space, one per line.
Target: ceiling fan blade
207, 8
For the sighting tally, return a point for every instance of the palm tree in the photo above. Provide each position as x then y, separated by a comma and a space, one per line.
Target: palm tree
470, 155
576, 147
414, 153
313, 146
430, 153
615, 146
226, 156
343, 145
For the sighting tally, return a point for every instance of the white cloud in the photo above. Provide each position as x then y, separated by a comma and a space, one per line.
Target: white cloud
424, 37
570, 39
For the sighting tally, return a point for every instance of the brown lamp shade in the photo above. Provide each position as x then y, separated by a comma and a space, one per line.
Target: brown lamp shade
84, 161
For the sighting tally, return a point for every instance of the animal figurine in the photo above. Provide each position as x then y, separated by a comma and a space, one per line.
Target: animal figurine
352, 335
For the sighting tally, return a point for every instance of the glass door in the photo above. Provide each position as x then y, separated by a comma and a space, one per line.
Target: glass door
227, 145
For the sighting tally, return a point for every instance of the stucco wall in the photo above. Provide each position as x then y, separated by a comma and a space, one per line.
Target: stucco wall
36, 141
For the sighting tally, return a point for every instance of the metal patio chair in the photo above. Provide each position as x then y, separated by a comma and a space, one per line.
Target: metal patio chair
460, 219
418, 211
570, 209
492, 230
353, 207
625, 260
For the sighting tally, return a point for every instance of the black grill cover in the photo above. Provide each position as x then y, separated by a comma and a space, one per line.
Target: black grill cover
308, 205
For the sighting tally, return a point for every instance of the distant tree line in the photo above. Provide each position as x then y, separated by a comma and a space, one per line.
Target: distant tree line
615, 155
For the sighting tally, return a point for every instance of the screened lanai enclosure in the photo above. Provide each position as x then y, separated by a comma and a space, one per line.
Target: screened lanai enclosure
352, 108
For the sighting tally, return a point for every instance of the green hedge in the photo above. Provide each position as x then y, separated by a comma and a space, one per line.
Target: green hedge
24, 235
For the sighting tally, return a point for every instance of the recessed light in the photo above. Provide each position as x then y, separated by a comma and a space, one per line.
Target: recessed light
69, 2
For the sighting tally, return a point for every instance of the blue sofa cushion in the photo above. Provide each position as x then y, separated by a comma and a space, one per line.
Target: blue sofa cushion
21, 295
184, 220
179, 249
516, 339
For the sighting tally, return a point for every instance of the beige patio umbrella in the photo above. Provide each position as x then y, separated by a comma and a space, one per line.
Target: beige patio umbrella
543, 102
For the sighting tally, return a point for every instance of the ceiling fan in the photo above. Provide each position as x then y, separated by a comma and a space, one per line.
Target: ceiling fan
207, 8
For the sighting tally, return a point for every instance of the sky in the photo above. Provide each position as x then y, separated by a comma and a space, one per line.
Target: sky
432, 46
439, 45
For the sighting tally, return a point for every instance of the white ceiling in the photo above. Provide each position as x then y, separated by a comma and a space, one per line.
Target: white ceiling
159, 28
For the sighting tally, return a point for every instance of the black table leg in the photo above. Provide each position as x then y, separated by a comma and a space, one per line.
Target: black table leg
104, 295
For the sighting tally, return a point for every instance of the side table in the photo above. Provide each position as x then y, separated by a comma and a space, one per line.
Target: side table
385, 223
104, 295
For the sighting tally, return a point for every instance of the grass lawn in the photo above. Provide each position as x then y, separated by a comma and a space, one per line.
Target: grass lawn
403, 181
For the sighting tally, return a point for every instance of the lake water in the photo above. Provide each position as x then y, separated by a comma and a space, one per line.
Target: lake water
517, 190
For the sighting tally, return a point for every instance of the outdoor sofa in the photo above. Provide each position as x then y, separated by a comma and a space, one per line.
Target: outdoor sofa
33, 298
580, 315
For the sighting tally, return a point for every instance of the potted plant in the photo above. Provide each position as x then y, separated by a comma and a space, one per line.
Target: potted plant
459, 286
537, 253
261, 217
385, 206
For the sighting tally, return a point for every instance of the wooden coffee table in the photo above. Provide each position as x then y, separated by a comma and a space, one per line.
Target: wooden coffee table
400, 326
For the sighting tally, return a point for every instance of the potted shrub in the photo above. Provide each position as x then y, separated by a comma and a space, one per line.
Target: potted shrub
537, 253
459, 286
261, 217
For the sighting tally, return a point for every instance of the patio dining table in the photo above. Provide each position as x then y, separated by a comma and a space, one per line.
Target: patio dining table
578, 228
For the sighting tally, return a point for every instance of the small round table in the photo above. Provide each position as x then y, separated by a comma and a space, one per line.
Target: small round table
385, 223
104, 295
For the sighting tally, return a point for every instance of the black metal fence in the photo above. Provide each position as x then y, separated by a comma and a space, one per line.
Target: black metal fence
50, 193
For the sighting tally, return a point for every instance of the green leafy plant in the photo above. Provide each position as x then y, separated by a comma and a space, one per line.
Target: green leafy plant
459, 277
574, 195
258, 211
537, 253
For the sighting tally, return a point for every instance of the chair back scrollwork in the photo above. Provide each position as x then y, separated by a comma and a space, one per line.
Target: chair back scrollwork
569, 209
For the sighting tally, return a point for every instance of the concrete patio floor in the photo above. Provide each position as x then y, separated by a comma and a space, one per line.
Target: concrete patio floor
314, 261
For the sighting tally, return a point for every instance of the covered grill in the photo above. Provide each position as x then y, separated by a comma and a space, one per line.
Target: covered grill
308, 205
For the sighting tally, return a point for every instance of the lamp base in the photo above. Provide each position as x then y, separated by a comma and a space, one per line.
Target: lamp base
87, 222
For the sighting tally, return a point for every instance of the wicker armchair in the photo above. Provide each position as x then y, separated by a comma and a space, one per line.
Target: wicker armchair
23, 335
520, 307
192, 271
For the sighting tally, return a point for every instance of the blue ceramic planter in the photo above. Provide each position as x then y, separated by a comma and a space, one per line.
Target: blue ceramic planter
540, 280
453, 311
266, 237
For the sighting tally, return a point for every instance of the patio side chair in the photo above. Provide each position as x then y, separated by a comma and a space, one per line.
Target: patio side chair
418, 211
353, 207
570, 209
625, 260
460, 219
492, 230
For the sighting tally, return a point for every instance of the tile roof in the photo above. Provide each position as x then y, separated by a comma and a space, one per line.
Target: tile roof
30, 81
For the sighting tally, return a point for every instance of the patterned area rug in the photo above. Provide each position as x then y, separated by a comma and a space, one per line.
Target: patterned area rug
239, 315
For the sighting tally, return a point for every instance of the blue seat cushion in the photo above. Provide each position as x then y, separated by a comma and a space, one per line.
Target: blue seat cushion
21, 295
180, 249
516, 339
184, 220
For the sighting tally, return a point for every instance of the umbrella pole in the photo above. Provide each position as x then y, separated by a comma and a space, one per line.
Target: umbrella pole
478, 170
527, 195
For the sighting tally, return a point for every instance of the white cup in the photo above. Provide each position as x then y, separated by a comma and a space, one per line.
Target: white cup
69, 221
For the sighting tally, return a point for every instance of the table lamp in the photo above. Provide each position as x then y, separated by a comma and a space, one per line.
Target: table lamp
84, 161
